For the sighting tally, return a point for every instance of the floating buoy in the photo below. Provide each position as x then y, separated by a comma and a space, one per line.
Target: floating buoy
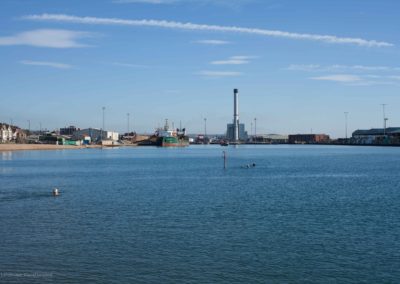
56, 192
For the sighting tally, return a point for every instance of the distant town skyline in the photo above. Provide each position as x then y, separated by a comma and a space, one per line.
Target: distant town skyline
298, 65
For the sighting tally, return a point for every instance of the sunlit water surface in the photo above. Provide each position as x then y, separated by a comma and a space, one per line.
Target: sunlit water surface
304, 214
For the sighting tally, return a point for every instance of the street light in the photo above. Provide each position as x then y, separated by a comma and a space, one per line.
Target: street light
255, 126
104, 109
384, 119
128, 114
205, 127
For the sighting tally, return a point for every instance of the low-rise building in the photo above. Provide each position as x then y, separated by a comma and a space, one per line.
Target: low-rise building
95, 134
68, 130
269, 139
390, 135
308, 139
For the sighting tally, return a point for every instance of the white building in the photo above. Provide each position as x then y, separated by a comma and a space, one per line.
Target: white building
96, 134
6, 134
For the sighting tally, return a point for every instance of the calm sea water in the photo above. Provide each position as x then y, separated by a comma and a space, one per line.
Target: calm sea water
304, 214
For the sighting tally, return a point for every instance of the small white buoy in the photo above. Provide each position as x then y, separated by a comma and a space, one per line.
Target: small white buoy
56, 192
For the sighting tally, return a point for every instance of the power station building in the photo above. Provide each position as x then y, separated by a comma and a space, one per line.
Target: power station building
230, 132
235, 132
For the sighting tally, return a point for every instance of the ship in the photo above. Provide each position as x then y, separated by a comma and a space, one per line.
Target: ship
167, 137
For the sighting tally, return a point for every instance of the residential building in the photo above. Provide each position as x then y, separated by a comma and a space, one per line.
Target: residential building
6, 133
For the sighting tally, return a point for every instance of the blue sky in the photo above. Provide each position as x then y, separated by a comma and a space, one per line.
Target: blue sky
299, 65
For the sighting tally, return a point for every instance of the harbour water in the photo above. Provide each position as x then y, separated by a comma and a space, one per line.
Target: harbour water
303, 214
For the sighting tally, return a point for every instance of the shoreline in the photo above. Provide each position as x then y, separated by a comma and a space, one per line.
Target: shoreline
41, 147
30, 147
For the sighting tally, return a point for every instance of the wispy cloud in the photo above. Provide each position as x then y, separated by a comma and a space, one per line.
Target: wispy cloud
338, 67
202, 27
217, 74
303, 67
360, 80
233, 60
46, 64
226, 3
213, 42
52, 38
355, 75
144, 1
342, 78
130, 65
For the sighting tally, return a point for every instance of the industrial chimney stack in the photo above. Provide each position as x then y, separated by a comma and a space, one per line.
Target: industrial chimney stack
236, 115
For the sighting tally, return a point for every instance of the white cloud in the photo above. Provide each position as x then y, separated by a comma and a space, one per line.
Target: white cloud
144, 1
226, 3
309, 67
220, 73
47, 64
121, 64
343, 78
214, 28
234, 60
337, 67
213, 42
52, 38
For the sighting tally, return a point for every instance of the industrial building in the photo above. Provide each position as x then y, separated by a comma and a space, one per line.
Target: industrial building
269, 139
96, 134
68, 130
230, 132
308, 139
390, 135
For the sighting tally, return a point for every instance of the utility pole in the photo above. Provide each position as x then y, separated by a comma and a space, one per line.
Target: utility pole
205, 128
127, 115
384, 119
345, 122
255, 127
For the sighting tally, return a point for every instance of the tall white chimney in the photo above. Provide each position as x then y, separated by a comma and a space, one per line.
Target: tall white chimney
236, 115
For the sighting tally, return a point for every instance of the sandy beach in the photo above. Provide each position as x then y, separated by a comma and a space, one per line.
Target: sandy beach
26, 147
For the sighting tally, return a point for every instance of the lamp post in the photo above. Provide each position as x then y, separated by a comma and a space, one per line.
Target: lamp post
127, 117
104, 109
384, 119
255, 127
205, 127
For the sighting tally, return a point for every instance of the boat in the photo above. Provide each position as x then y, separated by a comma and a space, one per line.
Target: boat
224, 143
167, 137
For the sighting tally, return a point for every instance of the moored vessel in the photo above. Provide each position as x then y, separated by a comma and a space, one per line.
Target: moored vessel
167, 137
